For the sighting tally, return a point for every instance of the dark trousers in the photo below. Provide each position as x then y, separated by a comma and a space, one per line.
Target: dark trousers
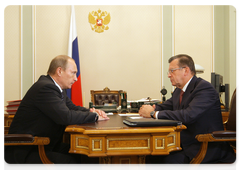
73, 161
60, 155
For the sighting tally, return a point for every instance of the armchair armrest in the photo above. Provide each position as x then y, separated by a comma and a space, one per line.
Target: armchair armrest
217, 136
28, 139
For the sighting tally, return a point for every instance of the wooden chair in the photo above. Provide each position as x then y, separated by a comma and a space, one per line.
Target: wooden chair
219, 136
27, 139
100, 97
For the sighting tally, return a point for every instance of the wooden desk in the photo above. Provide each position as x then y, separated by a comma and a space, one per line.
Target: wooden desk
115, 142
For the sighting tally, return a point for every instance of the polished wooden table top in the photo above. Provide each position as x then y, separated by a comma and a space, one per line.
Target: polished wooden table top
115, 125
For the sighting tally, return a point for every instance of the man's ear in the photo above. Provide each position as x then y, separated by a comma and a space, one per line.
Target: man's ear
59, 71
187, 70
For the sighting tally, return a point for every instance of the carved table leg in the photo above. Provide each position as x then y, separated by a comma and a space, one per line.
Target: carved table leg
142, 159
105, 160
123, 160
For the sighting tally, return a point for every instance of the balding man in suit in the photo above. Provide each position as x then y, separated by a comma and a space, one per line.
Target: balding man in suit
46, 110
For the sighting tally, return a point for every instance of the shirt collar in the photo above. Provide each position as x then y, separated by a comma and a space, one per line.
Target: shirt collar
186, 85
57, 84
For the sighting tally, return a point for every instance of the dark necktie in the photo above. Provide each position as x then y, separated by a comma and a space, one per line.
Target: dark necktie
181, 95
62, 96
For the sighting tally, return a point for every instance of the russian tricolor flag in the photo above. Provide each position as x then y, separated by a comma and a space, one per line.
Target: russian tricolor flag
75, 93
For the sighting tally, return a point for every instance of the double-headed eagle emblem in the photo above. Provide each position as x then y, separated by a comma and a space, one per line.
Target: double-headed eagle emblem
99, 20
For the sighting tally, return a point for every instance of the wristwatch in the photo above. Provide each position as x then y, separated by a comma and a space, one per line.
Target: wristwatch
152, 114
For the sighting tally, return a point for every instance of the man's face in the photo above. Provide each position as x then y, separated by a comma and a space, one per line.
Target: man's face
176, 77
69, 75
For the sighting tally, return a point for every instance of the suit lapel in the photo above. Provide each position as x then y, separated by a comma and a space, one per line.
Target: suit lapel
63, 93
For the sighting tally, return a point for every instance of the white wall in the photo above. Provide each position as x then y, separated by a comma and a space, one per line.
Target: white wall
238, 39
128, 56
12, 51
125, 57
194, 35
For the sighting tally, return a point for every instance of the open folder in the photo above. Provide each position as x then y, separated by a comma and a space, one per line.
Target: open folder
140, 121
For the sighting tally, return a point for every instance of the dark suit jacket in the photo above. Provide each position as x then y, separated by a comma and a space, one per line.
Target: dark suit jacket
200, 111
44, 112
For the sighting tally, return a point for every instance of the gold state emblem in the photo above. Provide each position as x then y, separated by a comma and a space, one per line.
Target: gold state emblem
99, 20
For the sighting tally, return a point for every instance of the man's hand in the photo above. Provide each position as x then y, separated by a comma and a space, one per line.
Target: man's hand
102, 118
101, 114
145, 110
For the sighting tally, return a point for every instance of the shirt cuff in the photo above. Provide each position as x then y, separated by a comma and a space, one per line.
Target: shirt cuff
96, 118
156, 114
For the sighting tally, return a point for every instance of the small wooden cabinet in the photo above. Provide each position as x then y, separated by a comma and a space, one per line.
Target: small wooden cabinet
7, 119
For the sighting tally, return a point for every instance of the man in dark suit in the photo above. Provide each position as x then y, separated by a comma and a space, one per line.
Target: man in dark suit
45, 111
198, 108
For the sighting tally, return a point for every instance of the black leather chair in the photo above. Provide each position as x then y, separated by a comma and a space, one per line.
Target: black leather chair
100, 97
228, 135
27, 139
